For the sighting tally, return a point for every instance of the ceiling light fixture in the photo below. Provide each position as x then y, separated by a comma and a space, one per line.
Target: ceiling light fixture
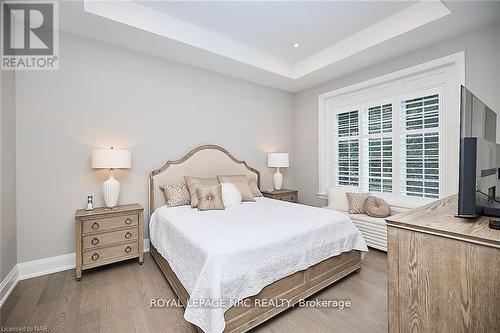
296, 45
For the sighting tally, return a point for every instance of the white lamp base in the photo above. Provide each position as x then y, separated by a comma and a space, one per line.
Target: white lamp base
111, 191
278, 179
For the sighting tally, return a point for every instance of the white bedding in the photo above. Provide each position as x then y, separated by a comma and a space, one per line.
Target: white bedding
234, 253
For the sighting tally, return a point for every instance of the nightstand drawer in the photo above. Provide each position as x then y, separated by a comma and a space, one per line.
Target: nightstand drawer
95, 256
290, 198
283, 195
108, 238
109, 223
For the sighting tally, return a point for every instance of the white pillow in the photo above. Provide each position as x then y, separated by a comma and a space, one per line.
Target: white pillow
231, 196
337, 198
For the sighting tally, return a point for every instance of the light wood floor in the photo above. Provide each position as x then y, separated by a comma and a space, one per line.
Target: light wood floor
116, 299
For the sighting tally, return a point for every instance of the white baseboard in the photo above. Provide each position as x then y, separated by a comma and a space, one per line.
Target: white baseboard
8, 284
39, 267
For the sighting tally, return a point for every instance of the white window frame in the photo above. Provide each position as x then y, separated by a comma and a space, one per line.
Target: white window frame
447, 72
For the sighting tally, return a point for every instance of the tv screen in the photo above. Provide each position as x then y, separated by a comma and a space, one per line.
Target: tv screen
479, 173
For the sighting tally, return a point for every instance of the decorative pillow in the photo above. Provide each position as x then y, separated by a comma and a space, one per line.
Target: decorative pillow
176, 194
376, 207
231, 196
193, 183
210, 198
337, 198
356, 202
241, 182
254, 188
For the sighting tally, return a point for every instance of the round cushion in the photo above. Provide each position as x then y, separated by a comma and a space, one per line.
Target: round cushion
231, 196
376, 207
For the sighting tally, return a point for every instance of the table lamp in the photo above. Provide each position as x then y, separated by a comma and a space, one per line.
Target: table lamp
277, 160
111, 159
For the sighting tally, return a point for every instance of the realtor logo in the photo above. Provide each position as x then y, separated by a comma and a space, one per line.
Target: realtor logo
30, 35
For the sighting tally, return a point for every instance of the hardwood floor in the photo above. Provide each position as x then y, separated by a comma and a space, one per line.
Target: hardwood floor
116, 299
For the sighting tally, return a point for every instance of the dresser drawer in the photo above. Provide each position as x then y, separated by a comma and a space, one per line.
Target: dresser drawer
108, 238
112, 252
109, 223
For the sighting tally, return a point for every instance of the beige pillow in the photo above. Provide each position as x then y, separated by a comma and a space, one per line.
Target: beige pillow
210, 198
356, 202
241, 182
376, 207
194, 182
176, 194
337, 198
254, 188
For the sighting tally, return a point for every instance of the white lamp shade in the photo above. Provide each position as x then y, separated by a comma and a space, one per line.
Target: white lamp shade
111, 159
277, 160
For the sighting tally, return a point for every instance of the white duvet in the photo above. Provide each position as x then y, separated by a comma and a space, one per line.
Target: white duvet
234, 253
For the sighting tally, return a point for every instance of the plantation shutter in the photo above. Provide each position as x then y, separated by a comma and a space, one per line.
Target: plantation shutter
377, 149
419, 146
347, 149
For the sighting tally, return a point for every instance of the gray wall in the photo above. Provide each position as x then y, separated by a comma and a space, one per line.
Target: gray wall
8, 247
482, 49
104, 95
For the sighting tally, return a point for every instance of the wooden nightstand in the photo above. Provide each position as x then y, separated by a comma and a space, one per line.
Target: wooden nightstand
283, 194
104, 236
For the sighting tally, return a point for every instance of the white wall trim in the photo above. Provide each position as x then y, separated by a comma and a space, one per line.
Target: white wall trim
375, 86
8, 284
457, 58
44, 266
39, 267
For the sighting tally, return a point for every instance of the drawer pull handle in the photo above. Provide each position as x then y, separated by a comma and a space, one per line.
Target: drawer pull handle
95, 226
293, 197
128, 221
95, 241
95, 256
128, 235
128, 249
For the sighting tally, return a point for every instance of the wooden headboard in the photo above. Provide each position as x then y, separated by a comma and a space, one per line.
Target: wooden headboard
204, 161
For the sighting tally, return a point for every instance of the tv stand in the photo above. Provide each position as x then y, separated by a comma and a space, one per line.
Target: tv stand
442, 268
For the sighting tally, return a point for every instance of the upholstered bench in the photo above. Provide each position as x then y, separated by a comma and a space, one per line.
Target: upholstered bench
374, 229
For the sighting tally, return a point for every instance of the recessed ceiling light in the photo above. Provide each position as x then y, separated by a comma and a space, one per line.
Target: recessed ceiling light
296, 45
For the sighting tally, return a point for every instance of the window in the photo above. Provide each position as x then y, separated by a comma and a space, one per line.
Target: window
348, 148
420, 146
395, 135
390, 147
377, 149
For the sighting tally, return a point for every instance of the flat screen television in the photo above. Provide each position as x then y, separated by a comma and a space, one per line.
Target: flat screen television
479, 170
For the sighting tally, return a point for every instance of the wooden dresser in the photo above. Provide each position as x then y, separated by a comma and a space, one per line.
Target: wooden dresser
283, 194
104, 236
444, 271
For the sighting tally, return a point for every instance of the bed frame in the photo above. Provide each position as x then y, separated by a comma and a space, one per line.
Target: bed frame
209, 161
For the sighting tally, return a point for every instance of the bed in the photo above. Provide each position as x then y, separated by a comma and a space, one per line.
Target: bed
228, 266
